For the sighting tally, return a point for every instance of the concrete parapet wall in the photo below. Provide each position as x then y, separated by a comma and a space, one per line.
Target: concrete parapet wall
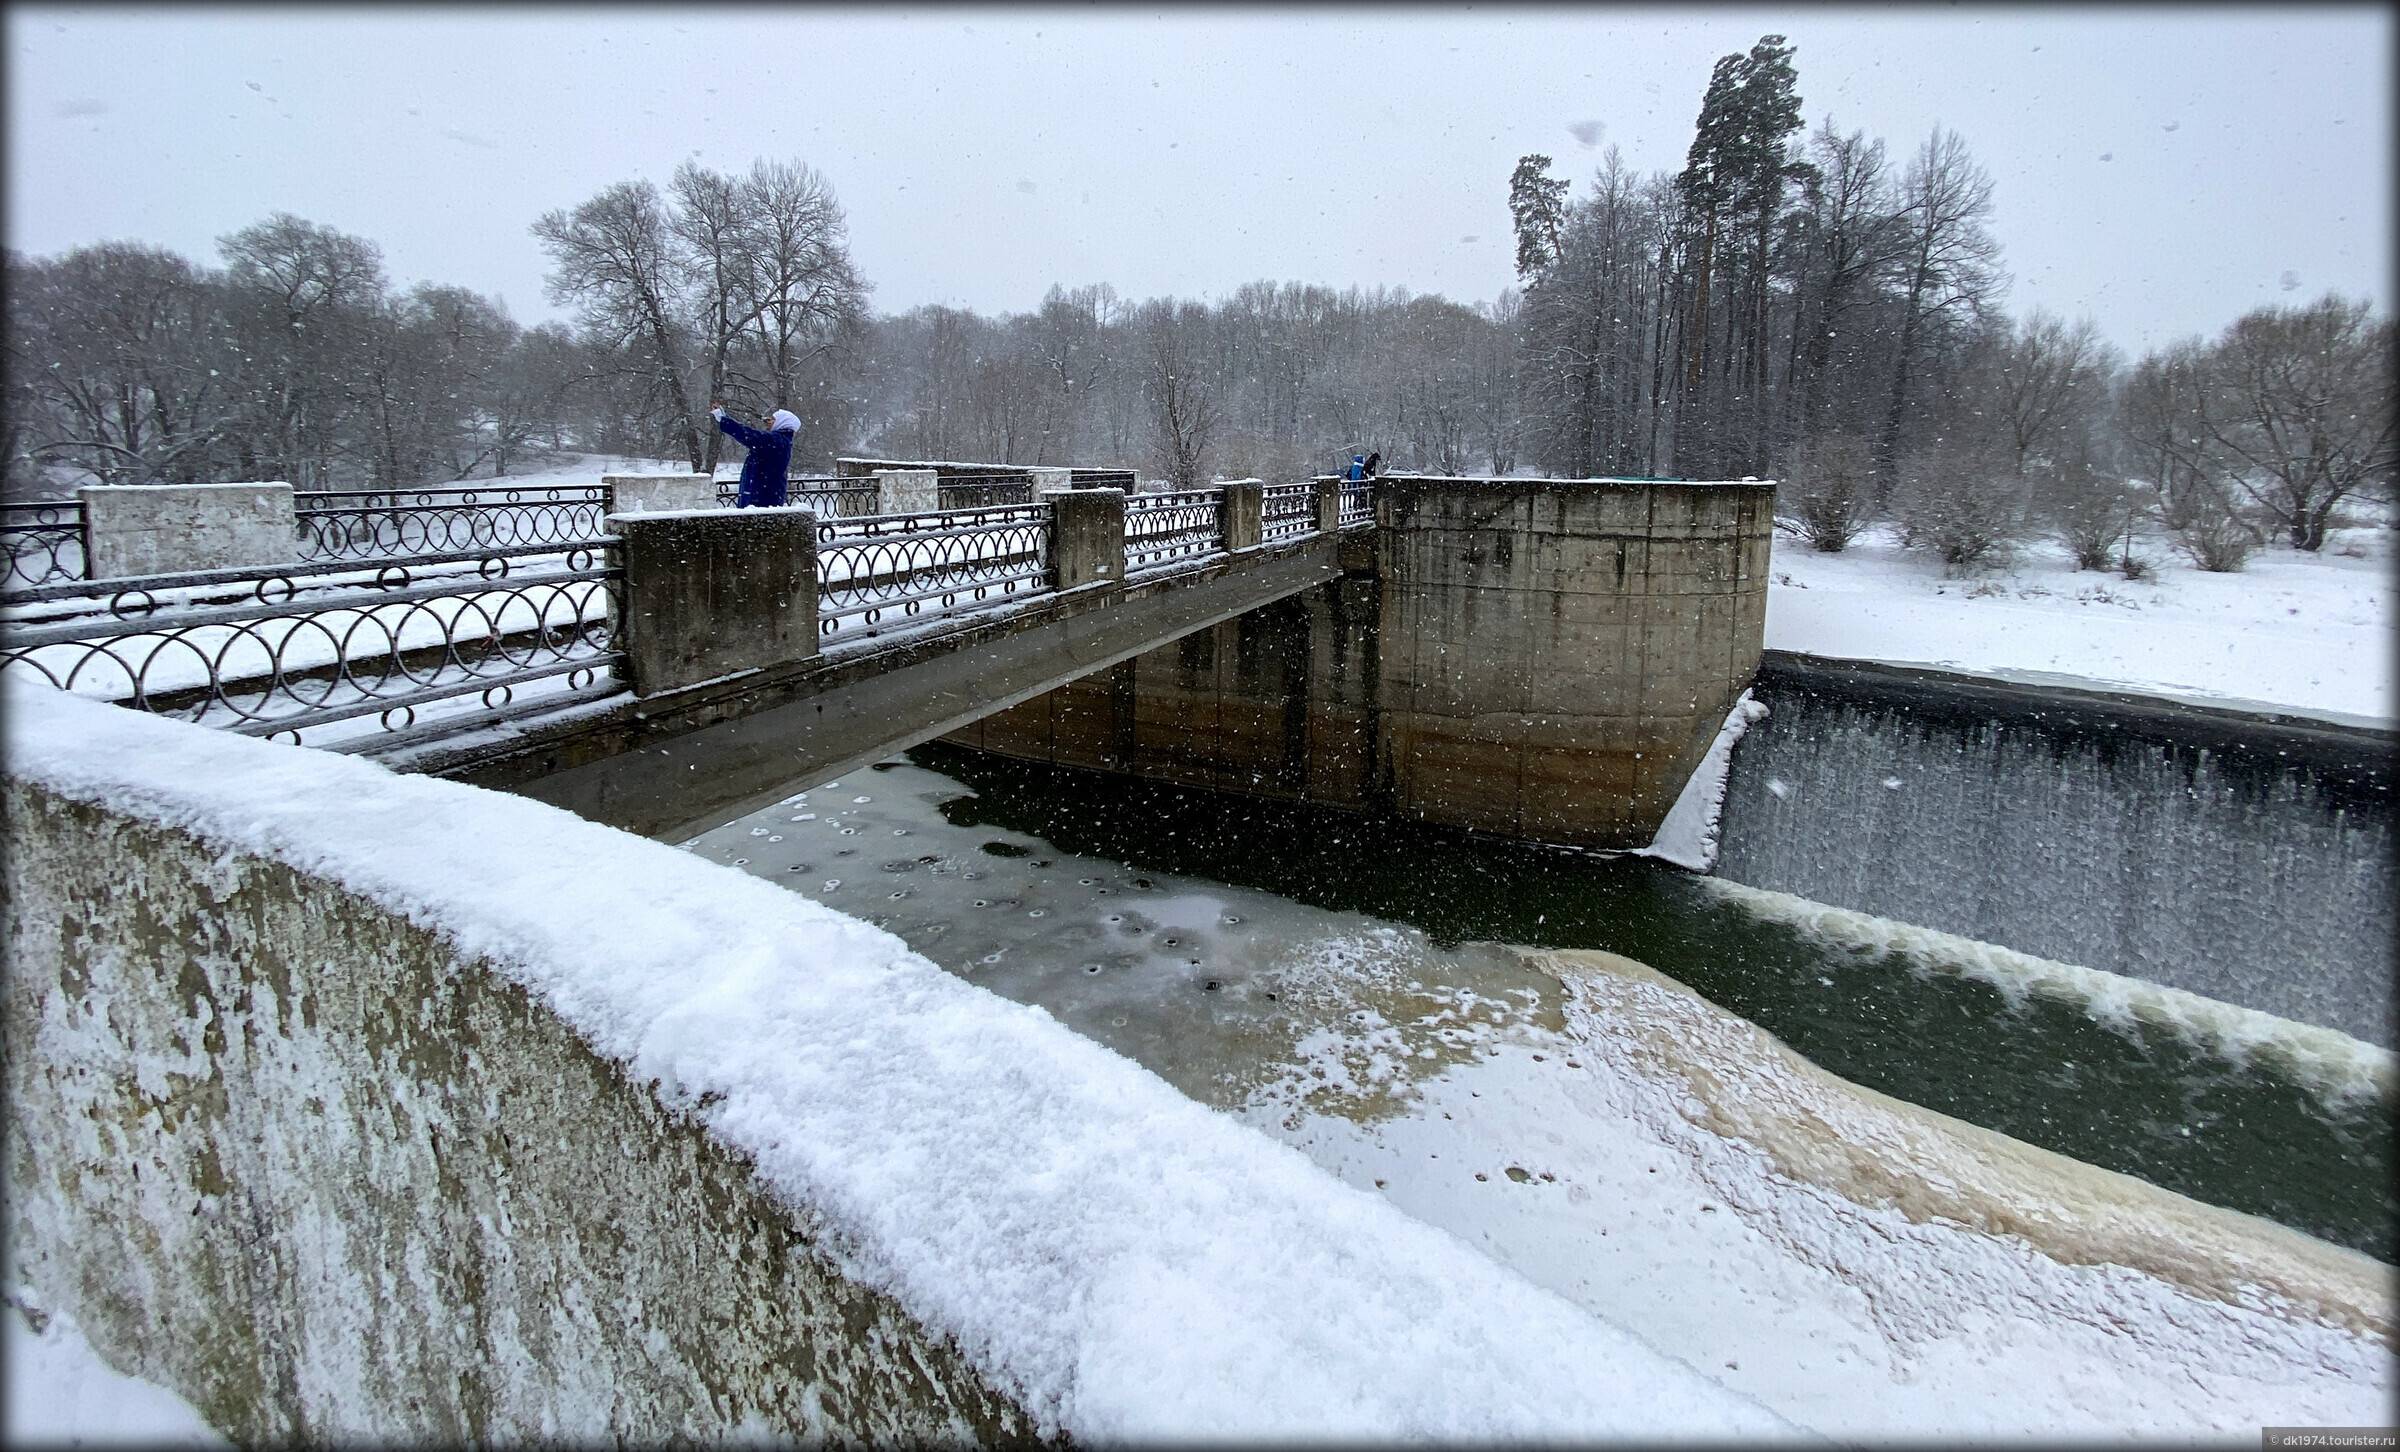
649, 493
716, 591
907, 491
171, 529
297, 1156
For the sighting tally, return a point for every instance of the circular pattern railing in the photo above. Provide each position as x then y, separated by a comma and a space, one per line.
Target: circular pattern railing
361, 525
1285, 510
1160, 528
282, 663
897, 567
42, 542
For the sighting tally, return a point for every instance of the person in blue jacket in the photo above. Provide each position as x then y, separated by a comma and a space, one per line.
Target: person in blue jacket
1358, 467
766, 474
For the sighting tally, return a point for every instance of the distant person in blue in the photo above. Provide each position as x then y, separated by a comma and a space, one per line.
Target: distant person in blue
1358, 467
767, 472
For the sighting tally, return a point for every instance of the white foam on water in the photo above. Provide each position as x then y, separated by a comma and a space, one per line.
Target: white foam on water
2339, 1069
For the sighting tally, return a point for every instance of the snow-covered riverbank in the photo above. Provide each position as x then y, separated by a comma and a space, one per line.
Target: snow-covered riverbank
2312, 633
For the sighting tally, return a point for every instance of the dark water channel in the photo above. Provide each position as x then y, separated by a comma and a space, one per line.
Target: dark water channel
1150, 912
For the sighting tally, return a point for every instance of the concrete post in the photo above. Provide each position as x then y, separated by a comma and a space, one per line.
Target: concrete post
1045, 480
1238, 513
173, 529
1329, 504
709, 594
655, 493
907, 491
1087, 537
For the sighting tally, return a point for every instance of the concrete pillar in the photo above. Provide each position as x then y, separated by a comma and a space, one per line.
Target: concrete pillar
1087, 537
1045, 480
707, 595
907, 491
1558, 654
174, 529
657, 493
1329, 504
1238, 513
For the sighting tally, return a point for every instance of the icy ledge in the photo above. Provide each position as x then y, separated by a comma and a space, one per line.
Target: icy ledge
1122, 1261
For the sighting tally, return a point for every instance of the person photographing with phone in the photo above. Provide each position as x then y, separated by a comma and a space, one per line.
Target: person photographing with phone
766, 473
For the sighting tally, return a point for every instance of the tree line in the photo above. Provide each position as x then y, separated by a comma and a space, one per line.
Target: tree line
1790, 304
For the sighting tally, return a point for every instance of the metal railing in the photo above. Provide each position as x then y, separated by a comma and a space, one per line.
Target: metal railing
833, 494
357, 524
292, 658
914, 564
1287, 510
43, 541
983, 491
1161, 528
1358, 503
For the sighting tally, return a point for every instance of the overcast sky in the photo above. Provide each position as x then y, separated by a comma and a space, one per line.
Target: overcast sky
2159, 169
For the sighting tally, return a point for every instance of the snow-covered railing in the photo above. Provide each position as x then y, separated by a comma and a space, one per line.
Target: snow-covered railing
983, 491
355, 524
292, 658
1358, 502
915, 564
42, 542
1286, 510
1163, 528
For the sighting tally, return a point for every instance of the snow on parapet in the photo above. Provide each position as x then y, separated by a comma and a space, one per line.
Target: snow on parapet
1122, 1260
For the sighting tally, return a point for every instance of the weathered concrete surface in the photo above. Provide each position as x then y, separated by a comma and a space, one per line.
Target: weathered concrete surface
907, 491
1536, 659
1088, 546
1557, 655
683, 761
715, 592
1277, 703
1239, 503
171, 529
295, 1158
652, 493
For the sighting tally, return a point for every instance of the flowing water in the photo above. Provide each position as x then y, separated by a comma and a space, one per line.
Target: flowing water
1281, 961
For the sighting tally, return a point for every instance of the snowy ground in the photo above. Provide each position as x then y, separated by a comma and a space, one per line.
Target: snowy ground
61, 1394
2311, 633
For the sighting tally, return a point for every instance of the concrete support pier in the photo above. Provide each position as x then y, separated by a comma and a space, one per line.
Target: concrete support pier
1539, 658
1557, 655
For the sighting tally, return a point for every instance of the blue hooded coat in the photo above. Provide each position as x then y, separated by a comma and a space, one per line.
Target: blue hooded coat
766, 473
1357, 469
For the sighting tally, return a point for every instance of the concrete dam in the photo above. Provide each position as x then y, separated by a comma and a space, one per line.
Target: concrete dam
1540, 659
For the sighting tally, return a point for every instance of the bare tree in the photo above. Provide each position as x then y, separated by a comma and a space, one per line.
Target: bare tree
114, 362
1960, 500
1182, 402
613, 258
2301, 401
2162, 419
1948, 258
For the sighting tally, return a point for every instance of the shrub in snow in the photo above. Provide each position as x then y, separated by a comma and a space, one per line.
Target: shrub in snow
1957, 502
1825, 491
2205, 520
